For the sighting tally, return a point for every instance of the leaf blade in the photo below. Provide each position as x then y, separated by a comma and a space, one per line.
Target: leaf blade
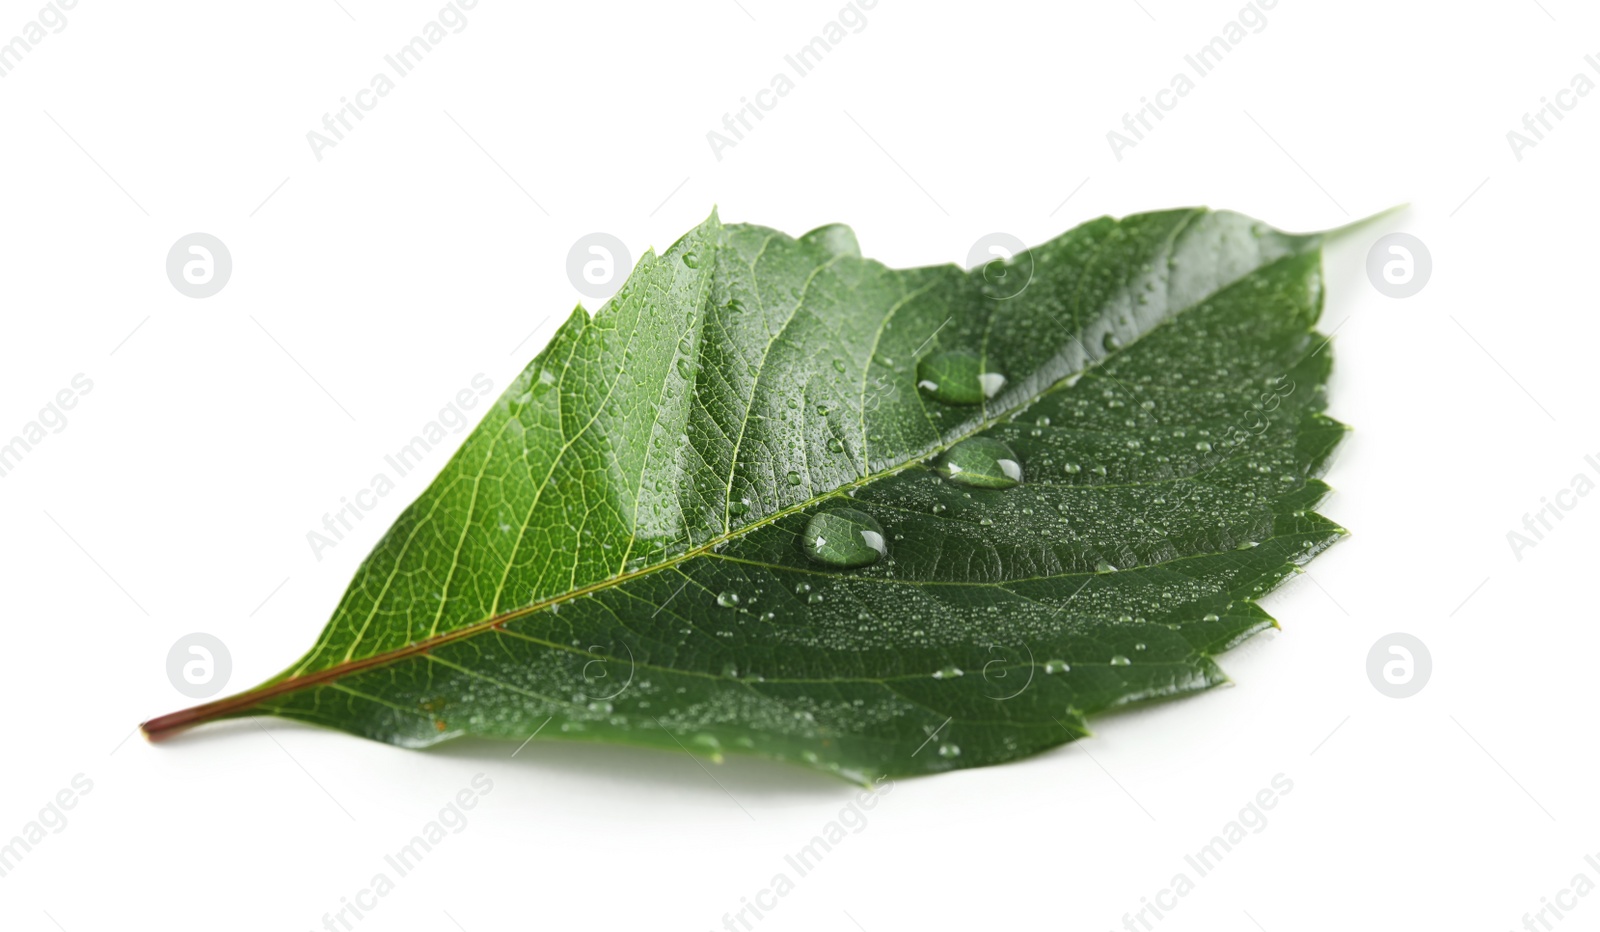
699, 394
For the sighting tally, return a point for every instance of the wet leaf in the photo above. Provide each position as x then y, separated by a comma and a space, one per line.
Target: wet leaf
1054, 499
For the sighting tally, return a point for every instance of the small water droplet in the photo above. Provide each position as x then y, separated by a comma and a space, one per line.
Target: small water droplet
1117, 660
728, 599
836, 445
948, 673
691, 260
949, 750
1211, 616
794, 477
844, 537
1072, 469
1056, 666
1203, 447
956, 377
981, 462
1103, 567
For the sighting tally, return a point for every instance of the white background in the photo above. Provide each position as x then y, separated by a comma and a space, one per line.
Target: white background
370, 286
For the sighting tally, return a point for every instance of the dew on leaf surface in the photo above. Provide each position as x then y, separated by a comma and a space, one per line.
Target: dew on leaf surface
957, 377
981, 462
844, 538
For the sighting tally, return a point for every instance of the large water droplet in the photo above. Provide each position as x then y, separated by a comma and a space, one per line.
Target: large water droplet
844, 537
691, 260
728, 599
957, 378
981, 462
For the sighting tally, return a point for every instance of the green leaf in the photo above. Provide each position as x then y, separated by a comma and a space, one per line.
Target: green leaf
662, 533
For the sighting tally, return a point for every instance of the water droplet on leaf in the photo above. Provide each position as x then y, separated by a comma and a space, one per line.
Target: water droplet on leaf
981, 462
844, 537
956, 377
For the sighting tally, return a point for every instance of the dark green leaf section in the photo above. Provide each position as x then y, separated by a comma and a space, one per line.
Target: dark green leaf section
617, 550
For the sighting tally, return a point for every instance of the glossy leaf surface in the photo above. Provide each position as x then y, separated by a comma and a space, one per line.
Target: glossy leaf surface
618, 551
